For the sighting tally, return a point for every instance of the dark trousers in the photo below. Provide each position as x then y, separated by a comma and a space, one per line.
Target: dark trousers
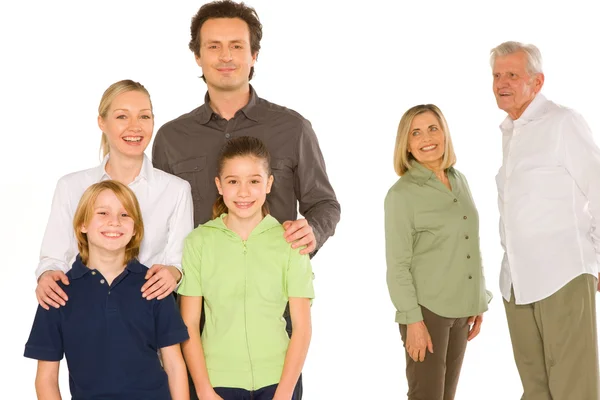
288, 328
436, 378
265, 393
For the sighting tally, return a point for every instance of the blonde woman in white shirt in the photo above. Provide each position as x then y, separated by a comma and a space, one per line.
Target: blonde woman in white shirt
549, 201
127, 123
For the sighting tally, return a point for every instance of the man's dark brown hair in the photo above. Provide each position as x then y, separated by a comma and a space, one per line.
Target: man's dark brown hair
226, 9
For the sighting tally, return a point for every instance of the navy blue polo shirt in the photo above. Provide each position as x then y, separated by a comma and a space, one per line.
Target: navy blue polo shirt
109, 334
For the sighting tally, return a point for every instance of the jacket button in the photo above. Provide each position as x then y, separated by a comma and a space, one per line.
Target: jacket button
468, 256
465, 217
455, 200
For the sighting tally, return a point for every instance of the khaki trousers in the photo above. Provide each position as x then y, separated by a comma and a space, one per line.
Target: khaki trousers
436, 378
555, 342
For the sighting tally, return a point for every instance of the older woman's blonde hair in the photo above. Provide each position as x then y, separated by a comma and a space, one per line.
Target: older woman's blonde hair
108, 97
85, 212
402, 157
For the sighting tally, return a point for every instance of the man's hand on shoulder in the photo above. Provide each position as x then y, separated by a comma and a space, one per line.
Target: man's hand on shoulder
299, 233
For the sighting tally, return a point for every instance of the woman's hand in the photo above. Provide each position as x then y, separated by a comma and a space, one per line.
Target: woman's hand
476, 322
161, 281
418, 341
48, 292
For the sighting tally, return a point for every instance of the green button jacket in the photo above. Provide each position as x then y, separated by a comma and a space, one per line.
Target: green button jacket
246, 285
432, 247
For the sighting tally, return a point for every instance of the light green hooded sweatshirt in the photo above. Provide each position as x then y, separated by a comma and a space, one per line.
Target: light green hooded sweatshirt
246, 285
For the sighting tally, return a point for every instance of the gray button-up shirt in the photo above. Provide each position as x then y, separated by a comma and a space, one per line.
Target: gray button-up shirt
189, 147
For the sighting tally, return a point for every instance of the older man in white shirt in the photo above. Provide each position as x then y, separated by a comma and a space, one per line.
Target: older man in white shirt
549, 202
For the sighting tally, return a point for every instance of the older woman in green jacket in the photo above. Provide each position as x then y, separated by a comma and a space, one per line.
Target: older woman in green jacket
434, 271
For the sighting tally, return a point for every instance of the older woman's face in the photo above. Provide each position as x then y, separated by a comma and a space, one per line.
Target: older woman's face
129, 124
426, 140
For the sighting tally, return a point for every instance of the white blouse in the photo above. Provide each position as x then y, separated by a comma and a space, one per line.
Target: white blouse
167, 212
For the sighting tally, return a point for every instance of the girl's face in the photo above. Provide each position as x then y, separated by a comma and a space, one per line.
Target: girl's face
111, 228
244, 184
128, 124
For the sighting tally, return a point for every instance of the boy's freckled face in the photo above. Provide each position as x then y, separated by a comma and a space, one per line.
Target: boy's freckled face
110, 228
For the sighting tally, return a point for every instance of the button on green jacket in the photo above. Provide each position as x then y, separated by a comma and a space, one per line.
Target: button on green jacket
432, 247
246, 285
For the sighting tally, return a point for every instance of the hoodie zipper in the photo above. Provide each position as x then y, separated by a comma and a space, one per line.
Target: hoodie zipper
246, 310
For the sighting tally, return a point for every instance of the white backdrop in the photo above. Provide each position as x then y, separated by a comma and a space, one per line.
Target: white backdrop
352, 69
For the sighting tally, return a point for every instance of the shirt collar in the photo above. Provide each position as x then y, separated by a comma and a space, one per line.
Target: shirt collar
421, 174
146, 172
79, 269
249, 110
534, 110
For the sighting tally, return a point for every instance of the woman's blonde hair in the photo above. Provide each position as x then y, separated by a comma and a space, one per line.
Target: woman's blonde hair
402, 157
243, 146
108, 97
85, 212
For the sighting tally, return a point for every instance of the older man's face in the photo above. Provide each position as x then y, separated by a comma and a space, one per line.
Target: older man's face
514, 88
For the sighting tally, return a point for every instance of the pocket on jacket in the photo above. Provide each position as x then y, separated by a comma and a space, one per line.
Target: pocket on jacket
195, 172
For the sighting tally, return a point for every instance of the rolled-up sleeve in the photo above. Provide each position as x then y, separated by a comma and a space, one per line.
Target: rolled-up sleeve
317, 200
399, 235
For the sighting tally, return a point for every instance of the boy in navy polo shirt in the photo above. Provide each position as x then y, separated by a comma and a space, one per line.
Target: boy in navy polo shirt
109, 333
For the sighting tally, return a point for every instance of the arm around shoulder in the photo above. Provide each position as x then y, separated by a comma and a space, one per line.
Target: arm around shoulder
181, 224
316, 197
58, 244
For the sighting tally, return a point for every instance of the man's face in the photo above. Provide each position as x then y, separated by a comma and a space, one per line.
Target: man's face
225, 55
513, 87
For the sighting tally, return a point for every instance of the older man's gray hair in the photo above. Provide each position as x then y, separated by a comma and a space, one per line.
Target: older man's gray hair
534, 57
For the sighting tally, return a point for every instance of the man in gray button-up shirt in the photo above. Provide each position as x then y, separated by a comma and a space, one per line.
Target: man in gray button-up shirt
188, 146
225, 38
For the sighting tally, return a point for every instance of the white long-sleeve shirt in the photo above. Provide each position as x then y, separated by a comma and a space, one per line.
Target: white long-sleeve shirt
549, 201
167, 212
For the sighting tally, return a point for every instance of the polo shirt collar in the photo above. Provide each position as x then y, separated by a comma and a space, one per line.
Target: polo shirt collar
249, 110
534, 110
79, 269
421, 174
146, 172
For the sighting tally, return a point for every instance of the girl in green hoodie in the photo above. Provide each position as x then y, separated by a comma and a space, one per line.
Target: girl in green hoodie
242, 267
